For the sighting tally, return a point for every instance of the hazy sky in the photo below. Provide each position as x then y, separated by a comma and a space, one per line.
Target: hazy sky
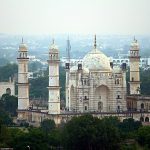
75, 16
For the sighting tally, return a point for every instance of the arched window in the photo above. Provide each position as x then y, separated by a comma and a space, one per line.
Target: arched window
118, 96
100, 106
146, 119
84, 82
118, 108
117, 81
142, 106
85, 108
132, 79
8, 91
141, 119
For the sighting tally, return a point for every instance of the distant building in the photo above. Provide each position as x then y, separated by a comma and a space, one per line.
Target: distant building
144, 62
7, 87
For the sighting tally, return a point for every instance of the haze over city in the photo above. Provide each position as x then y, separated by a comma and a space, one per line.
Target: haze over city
74, 74
75, 16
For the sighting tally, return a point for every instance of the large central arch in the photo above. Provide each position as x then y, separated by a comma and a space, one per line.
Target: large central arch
101, 98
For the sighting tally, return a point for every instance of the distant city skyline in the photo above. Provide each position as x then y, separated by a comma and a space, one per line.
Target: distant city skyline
75, 16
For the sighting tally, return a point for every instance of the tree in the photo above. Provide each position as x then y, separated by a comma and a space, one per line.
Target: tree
145, 81
7, 71
48, 125
5, 118
35, 138
143, 136
62, 82
10, 104
129, 125
3, 61
35, 66
38, 88
4, 136
88, 132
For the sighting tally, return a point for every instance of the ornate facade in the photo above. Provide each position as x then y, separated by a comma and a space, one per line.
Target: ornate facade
7, 87
95, 85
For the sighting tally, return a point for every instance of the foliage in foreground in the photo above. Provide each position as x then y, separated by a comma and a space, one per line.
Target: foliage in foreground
87, 132
82, 133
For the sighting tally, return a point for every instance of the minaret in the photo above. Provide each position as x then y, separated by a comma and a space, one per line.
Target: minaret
67, 68
134, 68
23, 84
95, 45
54, 88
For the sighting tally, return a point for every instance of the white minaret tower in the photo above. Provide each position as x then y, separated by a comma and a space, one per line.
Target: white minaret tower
23, 84
67, 68
54, 88
134, 68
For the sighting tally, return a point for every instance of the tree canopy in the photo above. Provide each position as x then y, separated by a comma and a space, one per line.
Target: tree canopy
87, 132
7, 71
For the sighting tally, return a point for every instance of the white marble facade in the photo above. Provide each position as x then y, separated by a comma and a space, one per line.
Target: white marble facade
95, 85
54, 88
23, 83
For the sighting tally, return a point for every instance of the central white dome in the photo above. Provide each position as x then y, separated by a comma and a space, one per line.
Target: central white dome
96, 60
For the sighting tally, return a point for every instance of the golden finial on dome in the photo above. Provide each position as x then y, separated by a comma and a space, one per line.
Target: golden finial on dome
95, 45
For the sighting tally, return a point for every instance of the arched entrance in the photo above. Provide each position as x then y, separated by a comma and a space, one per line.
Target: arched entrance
85, 107
101, 98
146, 119
141, 119
118, 108
8, 91
100, 106
142, 106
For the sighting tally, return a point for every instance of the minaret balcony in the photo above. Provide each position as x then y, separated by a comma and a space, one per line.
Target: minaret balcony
134, 82
22, 58
135, 57
53, 61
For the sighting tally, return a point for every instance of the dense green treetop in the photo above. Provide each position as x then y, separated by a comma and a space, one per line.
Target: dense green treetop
9, 70
10, 104
87, 132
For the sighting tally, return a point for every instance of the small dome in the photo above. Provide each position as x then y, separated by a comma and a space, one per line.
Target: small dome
85, 70
53, 47
74, 69
96, 60
135, 44
23, 47
117, 69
